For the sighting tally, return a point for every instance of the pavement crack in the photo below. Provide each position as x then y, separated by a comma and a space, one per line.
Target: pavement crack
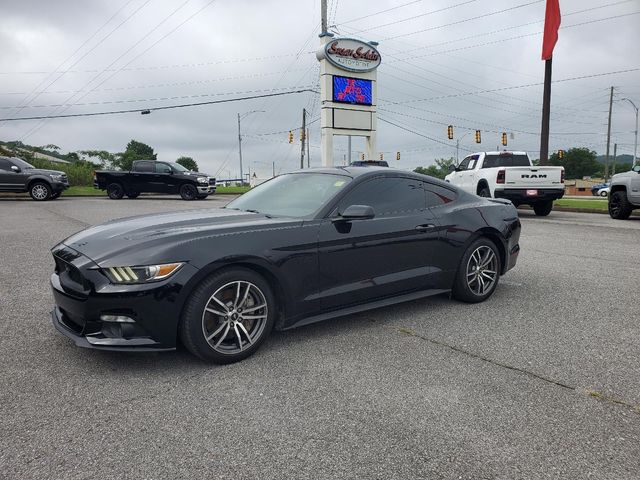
412, 333
67, 217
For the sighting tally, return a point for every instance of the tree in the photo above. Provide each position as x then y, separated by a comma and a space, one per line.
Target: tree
439, 170
135, 151
577, 163
188, 163
101, 158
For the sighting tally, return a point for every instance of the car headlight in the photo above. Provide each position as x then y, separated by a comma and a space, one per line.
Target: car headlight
148, 273
202, 180
56, 177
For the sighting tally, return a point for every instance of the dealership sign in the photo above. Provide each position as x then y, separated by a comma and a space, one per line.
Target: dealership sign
352, 55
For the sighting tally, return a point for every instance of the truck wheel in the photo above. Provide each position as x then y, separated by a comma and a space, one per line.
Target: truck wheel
619, 206
133, 195
40, 191
115, 191
543, 209
188, 192
484, 192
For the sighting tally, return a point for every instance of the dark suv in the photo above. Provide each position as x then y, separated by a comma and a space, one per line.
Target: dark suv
16, 175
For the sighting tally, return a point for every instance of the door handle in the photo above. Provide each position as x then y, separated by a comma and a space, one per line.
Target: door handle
425, 227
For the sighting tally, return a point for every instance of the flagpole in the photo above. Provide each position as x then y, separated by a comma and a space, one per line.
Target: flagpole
546, 111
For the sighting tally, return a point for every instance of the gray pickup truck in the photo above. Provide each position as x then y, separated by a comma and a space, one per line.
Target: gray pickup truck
625, 193
18, 176
155, 177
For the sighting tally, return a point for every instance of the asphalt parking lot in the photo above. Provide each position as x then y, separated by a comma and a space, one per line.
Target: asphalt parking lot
541, 381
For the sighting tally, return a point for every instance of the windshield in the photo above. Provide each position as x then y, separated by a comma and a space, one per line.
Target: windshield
505, 160
21, 163
292, 195
177, 167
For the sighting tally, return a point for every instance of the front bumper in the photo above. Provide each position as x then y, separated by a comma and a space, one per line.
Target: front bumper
59, 186
519, 196
82, 295
206, 189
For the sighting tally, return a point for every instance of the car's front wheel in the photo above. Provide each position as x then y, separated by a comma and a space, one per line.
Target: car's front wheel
188, 192
40, 191
478, 272
619, 206
228, 316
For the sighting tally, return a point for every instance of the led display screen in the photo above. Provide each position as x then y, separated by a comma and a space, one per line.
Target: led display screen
352, 90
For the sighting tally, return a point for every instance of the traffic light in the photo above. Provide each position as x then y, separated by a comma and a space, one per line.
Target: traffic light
504, 138
450, 132
381, 156
290, 136
362, 156
302, 135
478, 137
398, 156
560, 153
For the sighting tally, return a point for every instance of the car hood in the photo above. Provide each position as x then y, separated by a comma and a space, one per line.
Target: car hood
149, 238
42, 171
197, 174
623, 175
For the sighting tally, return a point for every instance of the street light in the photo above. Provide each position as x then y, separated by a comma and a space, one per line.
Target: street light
240, 140
458, 145
635, 143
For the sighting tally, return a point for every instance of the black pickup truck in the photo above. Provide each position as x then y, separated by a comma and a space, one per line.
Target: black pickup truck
16, 175
150, 176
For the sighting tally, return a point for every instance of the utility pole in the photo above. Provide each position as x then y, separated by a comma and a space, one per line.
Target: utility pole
457, 150
273, 169
323, 15
635, 143
349, 148
240, 151
615, 154
606, 158
307, 139
304, 135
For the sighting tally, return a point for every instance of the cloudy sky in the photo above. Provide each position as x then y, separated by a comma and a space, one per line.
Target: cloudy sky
471, 63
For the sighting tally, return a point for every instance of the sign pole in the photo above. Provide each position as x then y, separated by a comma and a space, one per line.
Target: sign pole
546, 111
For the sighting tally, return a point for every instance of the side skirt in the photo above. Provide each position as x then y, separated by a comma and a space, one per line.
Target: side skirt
367, 306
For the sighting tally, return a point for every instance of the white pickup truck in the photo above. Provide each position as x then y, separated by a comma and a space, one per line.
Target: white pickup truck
509, 175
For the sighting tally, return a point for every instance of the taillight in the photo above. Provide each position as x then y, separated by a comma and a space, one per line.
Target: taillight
562, 176
500, 177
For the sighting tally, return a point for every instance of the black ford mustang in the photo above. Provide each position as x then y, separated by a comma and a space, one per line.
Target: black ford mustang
300, 248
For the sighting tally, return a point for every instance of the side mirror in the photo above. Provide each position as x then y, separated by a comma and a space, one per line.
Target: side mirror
452, 168
15, 169
636, 169
356, 212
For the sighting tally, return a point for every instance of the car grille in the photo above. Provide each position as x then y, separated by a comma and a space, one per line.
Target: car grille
212, 181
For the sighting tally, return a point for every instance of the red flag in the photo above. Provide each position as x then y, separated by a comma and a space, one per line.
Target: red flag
551, 25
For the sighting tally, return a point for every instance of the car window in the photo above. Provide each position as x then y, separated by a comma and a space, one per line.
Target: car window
505, 160
464, 164
143, 167
5, 164
387, 196
163, 168
437, 195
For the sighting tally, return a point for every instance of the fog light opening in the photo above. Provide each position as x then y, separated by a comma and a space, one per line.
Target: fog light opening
116, 318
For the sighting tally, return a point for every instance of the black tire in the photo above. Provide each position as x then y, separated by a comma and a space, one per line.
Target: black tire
188, 192
133, 195
55, 195
202, 197
484, 192
468, 281
543, 209
204, 316
40, 191
619, 206
115, 191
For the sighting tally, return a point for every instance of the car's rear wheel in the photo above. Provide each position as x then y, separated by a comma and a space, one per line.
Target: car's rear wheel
115, 191
133, 195
603, 193
40, 191
228, 316
188, 192
542, 209
478, 273
485, 192
619, 206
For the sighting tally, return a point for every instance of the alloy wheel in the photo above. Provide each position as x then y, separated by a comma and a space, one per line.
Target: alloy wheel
482, 270
234, 317
39, 192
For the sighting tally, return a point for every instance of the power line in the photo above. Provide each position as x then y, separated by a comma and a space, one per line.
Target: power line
152, 109
381, 11
413, 131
